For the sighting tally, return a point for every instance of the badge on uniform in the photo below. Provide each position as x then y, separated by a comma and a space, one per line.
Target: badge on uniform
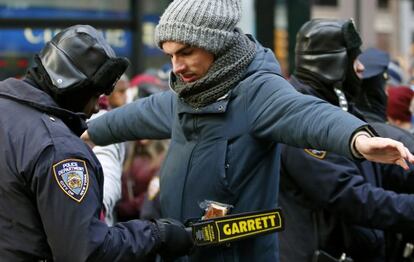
319, 154
72, 177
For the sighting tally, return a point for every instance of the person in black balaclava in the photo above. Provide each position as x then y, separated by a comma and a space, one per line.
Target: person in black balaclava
335, 206
372, 101
326, 61
51, 182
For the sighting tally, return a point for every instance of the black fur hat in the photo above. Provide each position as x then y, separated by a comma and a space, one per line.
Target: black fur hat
77, 58
323, 47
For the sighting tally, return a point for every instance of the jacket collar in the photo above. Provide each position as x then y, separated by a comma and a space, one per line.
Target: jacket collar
218, 107
25, 92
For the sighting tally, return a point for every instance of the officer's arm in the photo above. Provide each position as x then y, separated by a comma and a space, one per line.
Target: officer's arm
396, 179
68, 187
69, 201
334, 182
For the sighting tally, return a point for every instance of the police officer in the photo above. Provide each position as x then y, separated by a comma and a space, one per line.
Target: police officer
51, 182
372, 99
372, 102
334, 206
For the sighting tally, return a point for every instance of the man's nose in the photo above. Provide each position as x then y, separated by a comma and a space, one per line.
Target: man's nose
178, 66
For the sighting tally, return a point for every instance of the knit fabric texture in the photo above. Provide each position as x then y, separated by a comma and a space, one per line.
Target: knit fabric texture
224, 74
208, 24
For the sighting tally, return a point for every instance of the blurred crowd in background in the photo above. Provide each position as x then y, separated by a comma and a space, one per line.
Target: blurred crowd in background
131, 192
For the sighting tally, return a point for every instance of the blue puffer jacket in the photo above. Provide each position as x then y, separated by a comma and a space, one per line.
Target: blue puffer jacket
228, 151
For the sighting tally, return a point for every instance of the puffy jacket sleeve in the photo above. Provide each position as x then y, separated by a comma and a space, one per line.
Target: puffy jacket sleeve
277, 112
68, 187
334, 182
145, 118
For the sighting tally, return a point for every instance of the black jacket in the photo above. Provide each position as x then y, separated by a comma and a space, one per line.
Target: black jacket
51, 187
339, 205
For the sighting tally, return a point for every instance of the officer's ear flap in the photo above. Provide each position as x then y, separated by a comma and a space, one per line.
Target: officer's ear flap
109, 73
351, 36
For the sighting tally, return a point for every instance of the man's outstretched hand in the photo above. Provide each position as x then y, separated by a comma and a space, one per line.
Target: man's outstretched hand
383, 150
85, 137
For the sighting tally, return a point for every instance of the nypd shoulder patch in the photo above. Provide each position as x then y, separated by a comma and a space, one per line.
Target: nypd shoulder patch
72, 177
316, 153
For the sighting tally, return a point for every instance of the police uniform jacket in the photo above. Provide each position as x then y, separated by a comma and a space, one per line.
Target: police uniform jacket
228, 151
338, 205
51, 187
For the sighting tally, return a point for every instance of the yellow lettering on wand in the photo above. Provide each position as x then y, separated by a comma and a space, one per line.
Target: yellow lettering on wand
249, 225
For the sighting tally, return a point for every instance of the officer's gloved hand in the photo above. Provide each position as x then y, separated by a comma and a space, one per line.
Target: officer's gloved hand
176, 241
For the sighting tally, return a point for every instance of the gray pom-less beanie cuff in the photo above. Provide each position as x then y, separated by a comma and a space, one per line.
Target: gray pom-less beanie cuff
212, 40
209, 24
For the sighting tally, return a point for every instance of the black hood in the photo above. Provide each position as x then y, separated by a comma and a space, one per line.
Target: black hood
373, 100
28, 93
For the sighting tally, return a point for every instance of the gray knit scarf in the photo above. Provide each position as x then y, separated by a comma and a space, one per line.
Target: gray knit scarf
224, 74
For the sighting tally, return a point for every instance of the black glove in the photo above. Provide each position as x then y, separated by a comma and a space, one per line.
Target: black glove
176, 241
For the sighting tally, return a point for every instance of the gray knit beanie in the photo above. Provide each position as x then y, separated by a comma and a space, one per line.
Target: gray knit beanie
208, 24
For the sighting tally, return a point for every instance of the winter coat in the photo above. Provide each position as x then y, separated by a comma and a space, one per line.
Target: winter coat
228, 151
51, 187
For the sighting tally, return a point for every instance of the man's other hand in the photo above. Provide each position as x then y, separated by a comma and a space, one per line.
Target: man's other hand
383, 150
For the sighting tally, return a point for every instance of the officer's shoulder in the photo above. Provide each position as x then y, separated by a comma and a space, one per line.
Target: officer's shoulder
55, 126
59, 133
65, 143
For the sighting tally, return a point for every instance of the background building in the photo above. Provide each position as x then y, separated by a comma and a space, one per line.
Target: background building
128, 25
26, 25
385, 24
